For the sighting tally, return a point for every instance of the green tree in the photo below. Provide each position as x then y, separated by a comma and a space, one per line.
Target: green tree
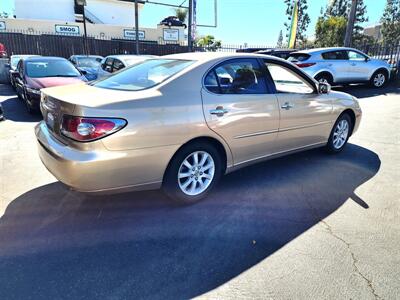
330, 31
181, 14
303, 19
279, 44
359, 38
209, 43
391, 22
4, 15
338, 8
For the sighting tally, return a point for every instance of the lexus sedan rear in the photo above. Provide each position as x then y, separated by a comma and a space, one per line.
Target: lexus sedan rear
182, 121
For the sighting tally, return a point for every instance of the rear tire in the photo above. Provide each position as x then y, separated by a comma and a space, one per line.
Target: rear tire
188, 179
340, 134
379, 79
325, 78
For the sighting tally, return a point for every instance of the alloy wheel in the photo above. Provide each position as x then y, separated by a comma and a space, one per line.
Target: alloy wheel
196, 173
379, 80
340, 134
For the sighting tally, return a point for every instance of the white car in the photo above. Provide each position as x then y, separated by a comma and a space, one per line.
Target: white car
342, 66
114, 63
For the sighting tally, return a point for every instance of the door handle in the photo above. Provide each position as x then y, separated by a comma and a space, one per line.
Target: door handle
219, 111
287, 106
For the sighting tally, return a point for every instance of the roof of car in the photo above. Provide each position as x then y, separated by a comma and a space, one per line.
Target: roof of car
44, 58
206, 56
82, 55
315, 50
130, 56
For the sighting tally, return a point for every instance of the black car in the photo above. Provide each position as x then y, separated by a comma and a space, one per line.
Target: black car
281, 53
173, 21
87, 64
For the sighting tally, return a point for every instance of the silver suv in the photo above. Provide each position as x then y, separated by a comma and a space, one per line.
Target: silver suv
341, 66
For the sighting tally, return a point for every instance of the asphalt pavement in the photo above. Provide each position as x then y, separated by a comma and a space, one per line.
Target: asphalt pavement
306, 226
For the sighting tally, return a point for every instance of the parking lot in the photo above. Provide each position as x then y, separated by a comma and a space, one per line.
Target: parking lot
310, 225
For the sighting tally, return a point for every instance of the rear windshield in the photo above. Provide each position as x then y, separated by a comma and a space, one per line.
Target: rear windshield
295, 57
89, 62
51, 68
143, 75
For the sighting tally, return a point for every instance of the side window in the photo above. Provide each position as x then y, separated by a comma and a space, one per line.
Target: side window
107, 66
335, 55
239, 76
118, 65
356, 56
288, 81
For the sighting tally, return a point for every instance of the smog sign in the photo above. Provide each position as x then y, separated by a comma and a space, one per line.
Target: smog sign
131, 34
67, 29
2, 25
171, 34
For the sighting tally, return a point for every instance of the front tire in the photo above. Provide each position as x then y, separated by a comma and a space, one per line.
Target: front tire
379, 79
340, 134
192, 173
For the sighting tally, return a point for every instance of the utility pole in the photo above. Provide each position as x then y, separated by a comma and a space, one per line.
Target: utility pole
190, 21
137, 26
350, 24
85, 44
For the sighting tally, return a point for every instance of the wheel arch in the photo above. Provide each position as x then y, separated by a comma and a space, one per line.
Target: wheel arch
381, 69
220, 147
329, 73
352, 116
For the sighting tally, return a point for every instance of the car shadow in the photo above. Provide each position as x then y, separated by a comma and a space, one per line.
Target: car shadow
15, 110
365, 91
57, 244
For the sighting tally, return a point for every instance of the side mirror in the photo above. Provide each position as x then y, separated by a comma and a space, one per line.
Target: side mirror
367, 59
83, 72
324, 88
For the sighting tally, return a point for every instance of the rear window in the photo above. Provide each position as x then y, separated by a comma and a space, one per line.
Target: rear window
335, 55
296, 57
144, 75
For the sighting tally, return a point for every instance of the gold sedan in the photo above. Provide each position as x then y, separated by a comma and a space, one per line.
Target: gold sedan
182, 121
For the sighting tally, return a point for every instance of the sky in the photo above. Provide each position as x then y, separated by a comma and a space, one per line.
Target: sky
255, 22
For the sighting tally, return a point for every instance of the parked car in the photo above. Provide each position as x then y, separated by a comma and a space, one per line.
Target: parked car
35, 73
169, 122
1, 113
3, 51
114, 63
281, 53
342, 66
88, 64
173, 21
14, 59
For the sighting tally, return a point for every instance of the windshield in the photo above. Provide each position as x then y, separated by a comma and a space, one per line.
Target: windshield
14, 61
88, 62
144, 75
51, 68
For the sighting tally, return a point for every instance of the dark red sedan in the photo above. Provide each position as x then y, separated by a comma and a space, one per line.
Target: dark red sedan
36, 73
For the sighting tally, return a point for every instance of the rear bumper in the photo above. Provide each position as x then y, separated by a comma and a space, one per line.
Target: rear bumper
102, 171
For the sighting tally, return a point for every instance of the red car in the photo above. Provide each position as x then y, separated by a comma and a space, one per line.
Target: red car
3, 51
36, 73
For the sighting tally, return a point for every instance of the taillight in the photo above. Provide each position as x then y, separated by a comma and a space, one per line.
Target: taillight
305, 65
84, 129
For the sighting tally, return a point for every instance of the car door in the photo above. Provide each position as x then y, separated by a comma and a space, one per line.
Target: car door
358, 66
239, 106
305, 115
337, 62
